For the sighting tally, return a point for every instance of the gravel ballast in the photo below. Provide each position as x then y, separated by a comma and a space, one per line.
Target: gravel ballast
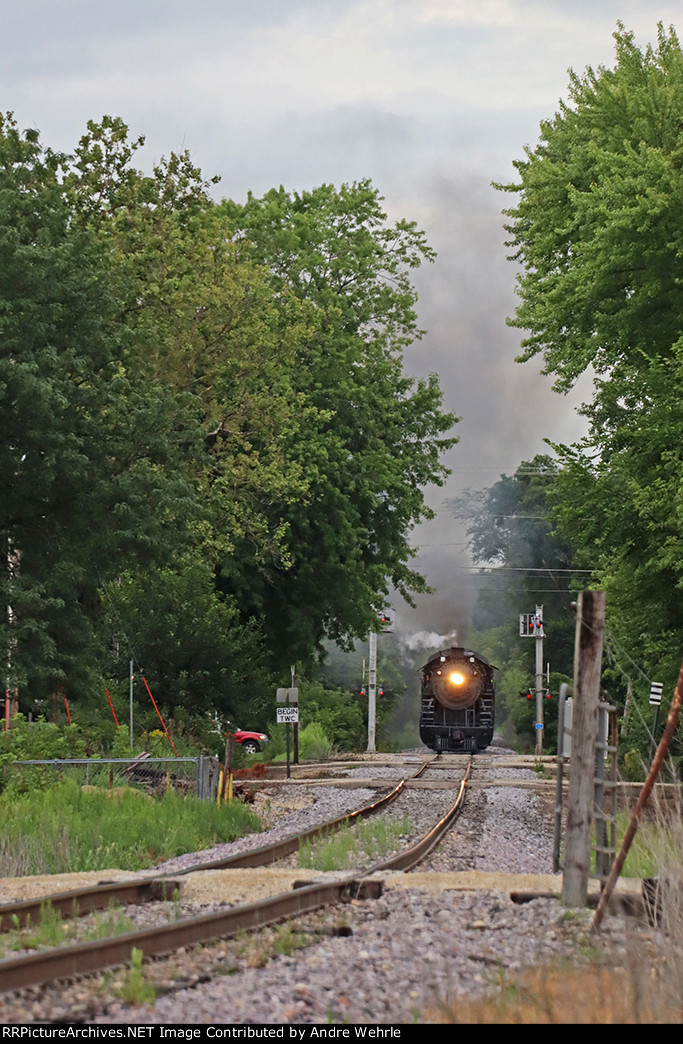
448, 931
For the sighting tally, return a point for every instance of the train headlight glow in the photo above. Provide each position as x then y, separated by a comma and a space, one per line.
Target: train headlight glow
456, 678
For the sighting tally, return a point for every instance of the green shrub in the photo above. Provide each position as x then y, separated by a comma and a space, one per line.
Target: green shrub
338, 711
36, 741
634, 766
314, 744
40, 739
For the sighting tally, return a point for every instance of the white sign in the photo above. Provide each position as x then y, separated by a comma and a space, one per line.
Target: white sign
656, 693
287, 695
287, 714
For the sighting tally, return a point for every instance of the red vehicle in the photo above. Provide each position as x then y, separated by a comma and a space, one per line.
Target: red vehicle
249, 741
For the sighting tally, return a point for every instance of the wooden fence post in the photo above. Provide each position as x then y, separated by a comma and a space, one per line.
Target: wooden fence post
590, 625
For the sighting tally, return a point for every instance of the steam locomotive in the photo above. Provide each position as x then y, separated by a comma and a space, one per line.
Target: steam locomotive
458, 701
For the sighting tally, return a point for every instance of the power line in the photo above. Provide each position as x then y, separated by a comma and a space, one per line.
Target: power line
501, 468
502, 569
522, 569
478, 514
527, 590
450, 543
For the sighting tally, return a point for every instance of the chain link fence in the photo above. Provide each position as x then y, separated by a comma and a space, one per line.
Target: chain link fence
197, 776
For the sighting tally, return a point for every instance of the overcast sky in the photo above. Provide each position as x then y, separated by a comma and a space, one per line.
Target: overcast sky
431, 99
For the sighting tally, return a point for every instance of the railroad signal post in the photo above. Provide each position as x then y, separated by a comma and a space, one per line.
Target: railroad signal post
372, 689
382, 620
531, 626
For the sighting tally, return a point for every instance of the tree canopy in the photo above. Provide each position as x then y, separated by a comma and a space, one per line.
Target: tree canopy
370, 438
85, 444
598, 224
213, 455
512, 536
597, 232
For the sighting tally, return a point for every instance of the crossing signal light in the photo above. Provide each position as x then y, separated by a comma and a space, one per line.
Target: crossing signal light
531, 625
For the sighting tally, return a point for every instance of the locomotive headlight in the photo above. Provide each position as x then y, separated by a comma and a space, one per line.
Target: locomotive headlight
460, 685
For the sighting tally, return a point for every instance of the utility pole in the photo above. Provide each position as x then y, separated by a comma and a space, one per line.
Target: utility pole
372, 689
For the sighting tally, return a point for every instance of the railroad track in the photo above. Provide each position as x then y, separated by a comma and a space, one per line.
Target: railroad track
100, 896
80, 958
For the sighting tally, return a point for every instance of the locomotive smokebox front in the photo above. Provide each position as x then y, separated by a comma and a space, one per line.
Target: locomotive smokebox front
457, 684
457, 701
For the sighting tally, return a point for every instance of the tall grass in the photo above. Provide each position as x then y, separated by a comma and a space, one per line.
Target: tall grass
593, 995
660, 845
66, 829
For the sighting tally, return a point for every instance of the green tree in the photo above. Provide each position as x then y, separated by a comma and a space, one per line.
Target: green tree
597, 230
204, 327
511, 533
370, 437
188, 642
222, 427
510, 528
598, 225
338, 711
79, 473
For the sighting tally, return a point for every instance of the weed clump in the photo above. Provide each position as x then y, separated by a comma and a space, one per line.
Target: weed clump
67, 829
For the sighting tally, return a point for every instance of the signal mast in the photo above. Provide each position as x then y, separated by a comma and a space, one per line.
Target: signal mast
531, 626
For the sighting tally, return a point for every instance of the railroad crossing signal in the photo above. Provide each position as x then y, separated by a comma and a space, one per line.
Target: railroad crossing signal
531, 625
527, 694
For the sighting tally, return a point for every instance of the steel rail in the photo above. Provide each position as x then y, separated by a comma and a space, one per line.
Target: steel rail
280, 849
424, 767
82, 901
82, 958
414, 855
